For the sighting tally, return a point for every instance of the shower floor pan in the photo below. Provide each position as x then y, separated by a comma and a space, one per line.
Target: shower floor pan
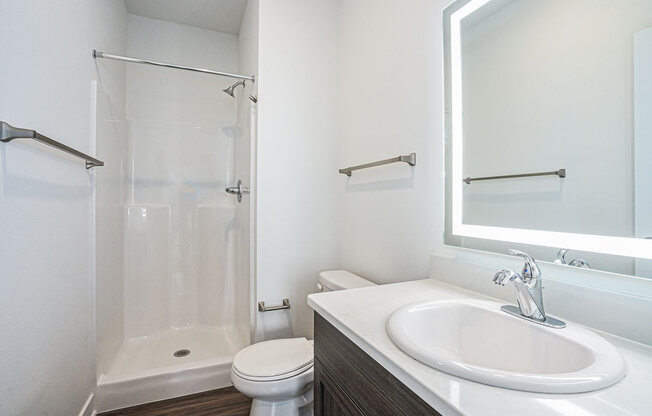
171, 363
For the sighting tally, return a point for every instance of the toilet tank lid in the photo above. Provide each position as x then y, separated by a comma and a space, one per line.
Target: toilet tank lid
341, 279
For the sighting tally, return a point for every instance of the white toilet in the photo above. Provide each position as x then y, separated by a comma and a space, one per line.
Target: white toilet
278, 374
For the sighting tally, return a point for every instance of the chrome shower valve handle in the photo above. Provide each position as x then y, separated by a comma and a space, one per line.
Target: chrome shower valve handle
238, 190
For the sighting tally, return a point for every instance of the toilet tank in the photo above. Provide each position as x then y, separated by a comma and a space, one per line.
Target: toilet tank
339, 280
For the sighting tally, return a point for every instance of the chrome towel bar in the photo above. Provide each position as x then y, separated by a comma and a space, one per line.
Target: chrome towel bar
9, 133
410, 159
561, 173
263, 308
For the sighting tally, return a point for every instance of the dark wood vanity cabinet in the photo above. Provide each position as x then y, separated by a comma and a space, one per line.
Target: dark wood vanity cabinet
348, 382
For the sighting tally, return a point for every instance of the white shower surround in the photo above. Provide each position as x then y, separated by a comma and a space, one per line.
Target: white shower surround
184, 286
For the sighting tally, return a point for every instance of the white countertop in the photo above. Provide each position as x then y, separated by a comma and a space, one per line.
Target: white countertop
361, 315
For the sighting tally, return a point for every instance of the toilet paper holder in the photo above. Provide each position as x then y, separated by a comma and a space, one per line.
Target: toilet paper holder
263, 308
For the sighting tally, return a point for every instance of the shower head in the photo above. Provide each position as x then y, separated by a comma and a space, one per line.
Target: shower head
232, 88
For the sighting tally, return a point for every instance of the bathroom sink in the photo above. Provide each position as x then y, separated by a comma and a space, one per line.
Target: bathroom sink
477, 341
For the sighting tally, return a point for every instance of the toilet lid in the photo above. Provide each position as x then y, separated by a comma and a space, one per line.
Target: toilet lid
274, 358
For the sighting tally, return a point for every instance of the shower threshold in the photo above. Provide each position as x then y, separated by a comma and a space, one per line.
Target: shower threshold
171, 363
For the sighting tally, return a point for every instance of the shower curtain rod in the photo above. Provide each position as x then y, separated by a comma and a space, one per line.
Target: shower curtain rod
98, 54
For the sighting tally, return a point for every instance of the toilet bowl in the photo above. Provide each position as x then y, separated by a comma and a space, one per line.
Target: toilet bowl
278, 374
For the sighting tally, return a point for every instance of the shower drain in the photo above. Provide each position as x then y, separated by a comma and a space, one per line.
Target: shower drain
181, 353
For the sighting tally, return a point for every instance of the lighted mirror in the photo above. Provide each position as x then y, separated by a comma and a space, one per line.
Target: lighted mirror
549, 129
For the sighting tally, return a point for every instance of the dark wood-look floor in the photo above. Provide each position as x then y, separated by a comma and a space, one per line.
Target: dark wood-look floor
222, 402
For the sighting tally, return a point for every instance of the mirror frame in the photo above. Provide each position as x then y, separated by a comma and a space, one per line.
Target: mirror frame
453, 125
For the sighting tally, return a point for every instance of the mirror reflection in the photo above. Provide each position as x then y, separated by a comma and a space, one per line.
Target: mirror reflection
557, 98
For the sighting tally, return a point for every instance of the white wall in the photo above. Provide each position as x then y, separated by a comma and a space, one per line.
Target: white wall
344, 83
46, 201
298, 157
390, 104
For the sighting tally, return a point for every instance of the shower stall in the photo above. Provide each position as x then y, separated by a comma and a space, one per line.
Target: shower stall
180, 307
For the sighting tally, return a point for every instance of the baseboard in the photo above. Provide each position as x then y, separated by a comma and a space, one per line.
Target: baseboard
89, 407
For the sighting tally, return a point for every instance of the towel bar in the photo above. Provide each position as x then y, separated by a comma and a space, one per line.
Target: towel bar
410, 159
9, 133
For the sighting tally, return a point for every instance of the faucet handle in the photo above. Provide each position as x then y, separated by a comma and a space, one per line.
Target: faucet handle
561, 259
525, 256
581, 263
561, 256
531, 268
503, 276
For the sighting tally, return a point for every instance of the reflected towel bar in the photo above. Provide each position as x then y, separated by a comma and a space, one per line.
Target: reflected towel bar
561, 173
263, 308
9, 133
410, 159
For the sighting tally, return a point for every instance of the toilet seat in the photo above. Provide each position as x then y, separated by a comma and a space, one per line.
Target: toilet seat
274, 360
276, 377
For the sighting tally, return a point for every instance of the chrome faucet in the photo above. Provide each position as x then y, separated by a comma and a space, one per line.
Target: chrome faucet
561, 259
529, 296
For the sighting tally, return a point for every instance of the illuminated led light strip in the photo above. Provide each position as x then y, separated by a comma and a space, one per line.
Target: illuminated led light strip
456, 106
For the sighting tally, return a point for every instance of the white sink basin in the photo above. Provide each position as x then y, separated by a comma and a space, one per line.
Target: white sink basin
477, 341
